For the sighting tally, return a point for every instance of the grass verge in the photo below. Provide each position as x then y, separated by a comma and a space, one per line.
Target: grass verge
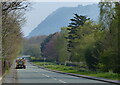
69, 69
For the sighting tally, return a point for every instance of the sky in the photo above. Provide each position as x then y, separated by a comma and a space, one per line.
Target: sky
40, 10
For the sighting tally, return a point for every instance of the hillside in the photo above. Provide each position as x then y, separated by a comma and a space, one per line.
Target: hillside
61, 18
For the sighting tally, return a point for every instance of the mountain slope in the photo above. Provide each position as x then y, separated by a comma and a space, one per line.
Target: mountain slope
61, 18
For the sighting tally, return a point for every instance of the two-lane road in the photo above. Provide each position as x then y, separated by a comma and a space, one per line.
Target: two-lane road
33, 74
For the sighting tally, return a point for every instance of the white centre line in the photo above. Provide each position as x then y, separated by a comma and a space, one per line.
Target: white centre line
43, 74
46, 75
54, 78
62, 81
59, 80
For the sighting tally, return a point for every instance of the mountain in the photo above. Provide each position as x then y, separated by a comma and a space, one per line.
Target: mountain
61, 18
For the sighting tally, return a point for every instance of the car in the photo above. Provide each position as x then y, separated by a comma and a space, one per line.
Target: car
20, 63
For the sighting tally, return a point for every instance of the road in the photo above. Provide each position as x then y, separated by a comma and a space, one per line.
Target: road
33, 74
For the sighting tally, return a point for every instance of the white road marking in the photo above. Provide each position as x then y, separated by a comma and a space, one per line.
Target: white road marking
46, 75
54, 78
43, 74
62, 81
59, 80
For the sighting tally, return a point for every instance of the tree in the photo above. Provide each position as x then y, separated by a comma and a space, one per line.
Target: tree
44, 43
48, 47
73, 28
109, 13
86, 49
31, 46
12, 21
61, 46
54, 47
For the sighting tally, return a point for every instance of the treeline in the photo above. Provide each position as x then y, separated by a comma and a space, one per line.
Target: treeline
87, 44
31, 46
12, 21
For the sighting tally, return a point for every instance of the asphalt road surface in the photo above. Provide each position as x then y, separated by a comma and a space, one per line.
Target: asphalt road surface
33, 74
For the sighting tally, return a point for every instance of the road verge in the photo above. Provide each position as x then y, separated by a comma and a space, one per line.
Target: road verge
78, 75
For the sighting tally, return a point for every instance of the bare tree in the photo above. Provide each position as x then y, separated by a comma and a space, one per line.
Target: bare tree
12, 21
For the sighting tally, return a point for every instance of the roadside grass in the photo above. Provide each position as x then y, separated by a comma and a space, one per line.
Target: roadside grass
69, 69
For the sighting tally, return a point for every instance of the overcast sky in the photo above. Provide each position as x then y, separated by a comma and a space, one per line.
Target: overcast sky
40, 10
